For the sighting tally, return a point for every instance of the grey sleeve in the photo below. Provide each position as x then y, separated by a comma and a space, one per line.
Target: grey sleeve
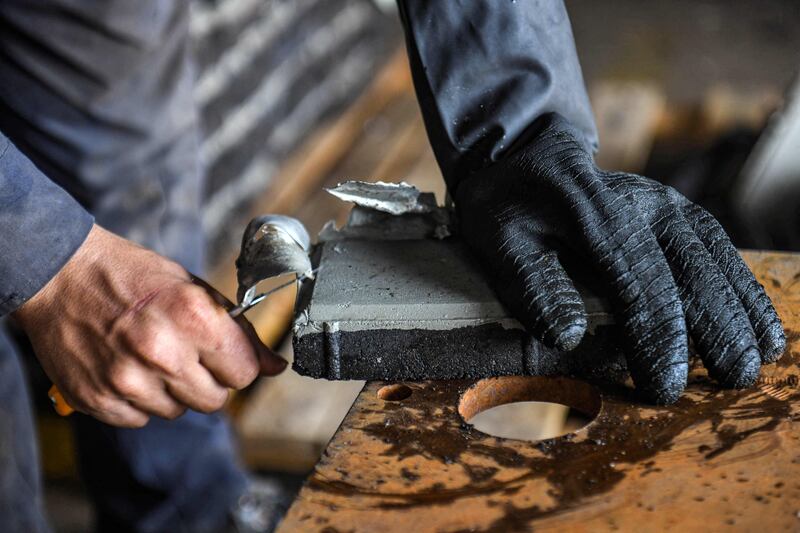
485, 71
41, 226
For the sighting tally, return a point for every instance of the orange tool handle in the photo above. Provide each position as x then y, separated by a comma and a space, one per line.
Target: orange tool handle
59, 403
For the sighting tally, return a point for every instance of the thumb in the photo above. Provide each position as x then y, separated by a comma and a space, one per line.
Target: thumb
269, 362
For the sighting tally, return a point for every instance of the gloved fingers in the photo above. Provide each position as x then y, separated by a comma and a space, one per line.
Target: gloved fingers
762, 315
533, 284
542, 295
715, 317
643, 291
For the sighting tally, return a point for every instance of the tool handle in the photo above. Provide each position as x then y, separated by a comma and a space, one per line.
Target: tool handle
59, 403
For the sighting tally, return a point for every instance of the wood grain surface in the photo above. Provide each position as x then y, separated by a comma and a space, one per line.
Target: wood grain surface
716, 460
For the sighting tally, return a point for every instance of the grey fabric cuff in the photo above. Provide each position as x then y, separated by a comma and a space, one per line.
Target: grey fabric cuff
41, 227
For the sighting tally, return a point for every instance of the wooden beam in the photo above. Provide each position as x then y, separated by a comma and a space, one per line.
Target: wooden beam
302, 174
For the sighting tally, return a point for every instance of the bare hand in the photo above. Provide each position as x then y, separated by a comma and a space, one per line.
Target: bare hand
125, 334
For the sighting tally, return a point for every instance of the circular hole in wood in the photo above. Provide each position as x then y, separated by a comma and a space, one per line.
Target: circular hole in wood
394, 393
528, 407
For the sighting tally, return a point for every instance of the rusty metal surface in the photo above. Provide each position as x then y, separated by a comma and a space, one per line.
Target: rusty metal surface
716, 459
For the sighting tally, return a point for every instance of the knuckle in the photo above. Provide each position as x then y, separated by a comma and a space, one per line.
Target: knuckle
220, 400
81, 394
245, 374
166, 358
126, 381
252, 372
97, 405
171, 412
213, 401
82, 399
143, 340
132, 338
106, 408
202, 408
205, 407
175, 269
196, 305
675, 197
158, 347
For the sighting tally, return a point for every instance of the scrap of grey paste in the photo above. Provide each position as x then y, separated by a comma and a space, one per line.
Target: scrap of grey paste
394, 198
272, 245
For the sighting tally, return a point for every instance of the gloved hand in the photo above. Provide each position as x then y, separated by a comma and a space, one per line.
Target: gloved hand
670, 269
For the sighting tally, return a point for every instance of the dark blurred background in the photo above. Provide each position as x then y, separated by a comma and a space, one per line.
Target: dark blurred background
692, 82
301, 94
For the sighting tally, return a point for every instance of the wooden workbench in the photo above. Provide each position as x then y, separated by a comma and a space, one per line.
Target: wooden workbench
716, 460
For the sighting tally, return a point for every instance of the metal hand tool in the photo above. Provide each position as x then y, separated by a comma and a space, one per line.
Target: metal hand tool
272, 245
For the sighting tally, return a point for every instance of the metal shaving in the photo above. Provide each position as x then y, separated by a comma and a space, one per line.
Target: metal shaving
394, 198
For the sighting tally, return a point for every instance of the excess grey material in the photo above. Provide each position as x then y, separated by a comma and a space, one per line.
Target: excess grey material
392, 198
404, 283
272, 245
365, 223
388, 211
421, 309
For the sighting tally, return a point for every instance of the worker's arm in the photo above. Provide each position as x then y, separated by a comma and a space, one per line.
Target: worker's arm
122, 331
41, 226
98, 96
504, 104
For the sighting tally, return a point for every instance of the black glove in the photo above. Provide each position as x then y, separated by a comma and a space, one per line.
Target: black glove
669, 266
527, 190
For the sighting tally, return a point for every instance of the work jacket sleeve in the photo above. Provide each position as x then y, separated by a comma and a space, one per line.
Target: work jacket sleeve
41, 226
484, 71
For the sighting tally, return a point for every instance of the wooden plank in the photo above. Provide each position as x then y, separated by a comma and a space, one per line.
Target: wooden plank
726, 108
303, 174
374, 155
715, 459
627, 116
289, 419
